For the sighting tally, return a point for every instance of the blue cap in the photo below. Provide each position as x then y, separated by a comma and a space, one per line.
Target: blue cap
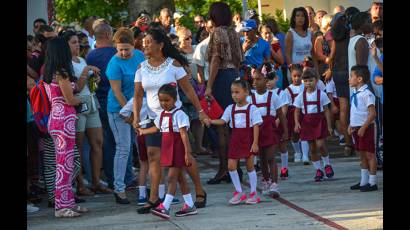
248, 25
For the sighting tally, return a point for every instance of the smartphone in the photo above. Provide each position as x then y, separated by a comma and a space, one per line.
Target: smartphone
81, 108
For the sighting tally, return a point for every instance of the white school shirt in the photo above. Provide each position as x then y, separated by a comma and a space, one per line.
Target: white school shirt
129, 108
255, 117
179, 120
331, 88
275, 102
199, 57
295, 89
359, 114
324, 100
282, 97
152, 79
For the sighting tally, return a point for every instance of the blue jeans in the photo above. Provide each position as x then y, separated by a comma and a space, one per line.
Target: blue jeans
122, 136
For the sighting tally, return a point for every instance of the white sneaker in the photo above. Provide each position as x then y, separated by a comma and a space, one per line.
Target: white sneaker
298, 157
305, 159
274, 190
103, 183
265, 187
31, 208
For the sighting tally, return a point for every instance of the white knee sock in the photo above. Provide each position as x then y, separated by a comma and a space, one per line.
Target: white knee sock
365, 177
372, 179
188, 200
168, 200
305, 148
341, 137
284, 159
337, 133
235, 180
143, 191
296, 146
161, 191
326, 160
317, 165
253, 180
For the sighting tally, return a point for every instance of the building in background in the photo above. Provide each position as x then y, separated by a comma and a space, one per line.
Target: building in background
270, 6
39, 9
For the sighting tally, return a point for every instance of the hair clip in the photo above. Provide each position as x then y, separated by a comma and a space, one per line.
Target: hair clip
173, 84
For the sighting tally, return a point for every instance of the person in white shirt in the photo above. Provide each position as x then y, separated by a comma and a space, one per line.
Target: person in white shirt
245, 120
88, 30
199, 57
315, 124
269, 105
335, 109
361, 127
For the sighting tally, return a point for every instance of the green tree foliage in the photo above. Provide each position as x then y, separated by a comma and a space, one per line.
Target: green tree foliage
68, 11
283, 23
190, 8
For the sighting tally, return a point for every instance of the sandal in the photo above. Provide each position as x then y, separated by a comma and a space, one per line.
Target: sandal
80, 209
85, 192
201, 204
147, 209
101, 190
66, 213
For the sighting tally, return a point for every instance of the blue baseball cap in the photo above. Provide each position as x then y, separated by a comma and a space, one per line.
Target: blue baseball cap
248, 25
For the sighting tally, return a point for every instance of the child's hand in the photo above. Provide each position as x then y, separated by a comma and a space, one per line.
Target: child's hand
334, 109
361, 131
254, 148
297, 128
378, 80
330, 131
139, 131
188, 159
349, 130
277, 122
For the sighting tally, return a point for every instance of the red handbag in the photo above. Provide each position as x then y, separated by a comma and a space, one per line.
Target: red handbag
211, 107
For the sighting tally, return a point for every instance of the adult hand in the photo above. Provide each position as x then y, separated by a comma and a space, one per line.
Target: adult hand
297, 128
188, 159
203, 116
246, 45
327, 75
254, 148
140, 21
135, 123
208, 92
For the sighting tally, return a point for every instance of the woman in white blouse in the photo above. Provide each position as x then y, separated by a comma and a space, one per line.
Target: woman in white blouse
164, 65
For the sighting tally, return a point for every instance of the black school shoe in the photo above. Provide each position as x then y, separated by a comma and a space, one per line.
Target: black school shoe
368, 188
201, 204
356, 186
120, 200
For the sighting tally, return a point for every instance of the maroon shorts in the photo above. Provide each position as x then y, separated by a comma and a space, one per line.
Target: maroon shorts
142, 148
365, 143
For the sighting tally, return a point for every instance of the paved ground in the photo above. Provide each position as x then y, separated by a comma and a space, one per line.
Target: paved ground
304, 204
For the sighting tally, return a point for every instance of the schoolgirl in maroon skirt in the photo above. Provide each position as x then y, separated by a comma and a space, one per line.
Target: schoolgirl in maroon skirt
315, 124
269, 105
176, 150
244, 119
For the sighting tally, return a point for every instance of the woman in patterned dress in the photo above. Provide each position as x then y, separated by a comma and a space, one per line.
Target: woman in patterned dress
60, 84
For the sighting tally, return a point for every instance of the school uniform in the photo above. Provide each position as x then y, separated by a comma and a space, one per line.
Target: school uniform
331, 88
241, 119
267, 104
313, 123
290, 94
172, 147
359, 102
284, 100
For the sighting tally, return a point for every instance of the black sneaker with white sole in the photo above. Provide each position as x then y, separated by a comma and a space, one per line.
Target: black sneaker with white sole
368, 188
355, 187
186, 211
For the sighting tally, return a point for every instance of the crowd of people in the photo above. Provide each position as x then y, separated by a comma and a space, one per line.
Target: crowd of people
141, 96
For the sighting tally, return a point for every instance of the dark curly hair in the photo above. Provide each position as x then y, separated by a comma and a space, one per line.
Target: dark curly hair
293, 18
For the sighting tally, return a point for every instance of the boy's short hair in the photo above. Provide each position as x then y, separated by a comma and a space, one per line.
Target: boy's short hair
362, 71
309, 73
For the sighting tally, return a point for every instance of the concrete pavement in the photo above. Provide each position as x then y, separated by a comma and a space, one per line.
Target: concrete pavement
304, 204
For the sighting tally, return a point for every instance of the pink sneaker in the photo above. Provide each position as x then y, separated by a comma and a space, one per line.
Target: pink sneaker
253, 198
237, 198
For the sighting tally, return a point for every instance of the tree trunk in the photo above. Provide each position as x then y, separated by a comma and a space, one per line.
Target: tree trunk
151, 6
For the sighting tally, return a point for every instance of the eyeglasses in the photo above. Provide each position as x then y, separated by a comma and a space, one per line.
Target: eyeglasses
188, 38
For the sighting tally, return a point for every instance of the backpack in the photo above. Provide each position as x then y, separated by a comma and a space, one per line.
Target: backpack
40, 106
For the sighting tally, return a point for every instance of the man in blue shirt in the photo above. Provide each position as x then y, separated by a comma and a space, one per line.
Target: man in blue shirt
100, 57
256, 49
